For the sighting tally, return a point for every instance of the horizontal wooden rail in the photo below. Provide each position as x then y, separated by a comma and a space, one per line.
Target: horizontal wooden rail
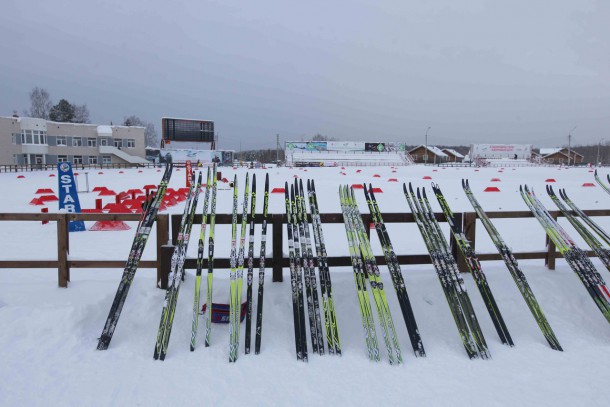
277, 261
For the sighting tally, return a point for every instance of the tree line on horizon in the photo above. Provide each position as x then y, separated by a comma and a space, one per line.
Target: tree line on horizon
42, 107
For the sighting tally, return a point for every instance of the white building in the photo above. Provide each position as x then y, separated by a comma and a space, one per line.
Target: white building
27, 140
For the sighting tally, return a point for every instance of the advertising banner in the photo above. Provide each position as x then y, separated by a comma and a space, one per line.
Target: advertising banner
68, 197
345, 145
306, 146
189, 173
515, 151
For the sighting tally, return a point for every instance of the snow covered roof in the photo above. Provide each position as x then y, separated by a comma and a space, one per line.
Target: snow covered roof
453, 152
549, 150
434, 150
103, 129
544, 152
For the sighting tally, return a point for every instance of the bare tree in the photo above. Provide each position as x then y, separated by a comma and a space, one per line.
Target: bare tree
150, 135
40, 103
81, 114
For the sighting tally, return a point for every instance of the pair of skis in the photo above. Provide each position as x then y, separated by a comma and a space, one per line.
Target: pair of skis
514, 269
474, 267
328, 305
575, 257
177, 270
601, 183
302, 269
200, 250
450, 278
395, 272
237, 267
145, 224
366, 269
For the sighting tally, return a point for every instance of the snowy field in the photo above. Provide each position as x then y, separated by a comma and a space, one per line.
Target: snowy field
50, 334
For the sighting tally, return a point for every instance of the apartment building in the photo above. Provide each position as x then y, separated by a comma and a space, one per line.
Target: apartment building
27, 140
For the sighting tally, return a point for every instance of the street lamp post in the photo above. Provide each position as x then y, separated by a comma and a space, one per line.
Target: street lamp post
426, 152
598, 144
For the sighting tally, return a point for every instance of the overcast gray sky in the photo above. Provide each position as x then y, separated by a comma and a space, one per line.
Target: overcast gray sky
522, 71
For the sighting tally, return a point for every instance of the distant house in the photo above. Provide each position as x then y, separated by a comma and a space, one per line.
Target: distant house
453, 155
428, 154
560, 155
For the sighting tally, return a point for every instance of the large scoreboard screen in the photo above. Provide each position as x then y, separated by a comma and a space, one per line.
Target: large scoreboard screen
187, 130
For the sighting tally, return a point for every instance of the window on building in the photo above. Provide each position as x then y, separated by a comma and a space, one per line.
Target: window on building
118, 142
62, 158
77, 141
131, 143
33, 137
77, 159
91, 142
61, 141
14, 138
106, 159
26, 136
103, 142
92, 159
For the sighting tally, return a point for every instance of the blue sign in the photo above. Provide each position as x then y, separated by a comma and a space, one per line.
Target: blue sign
68, 197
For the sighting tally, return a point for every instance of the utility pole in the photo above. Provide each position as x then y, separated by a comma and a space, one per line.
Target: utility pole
570, 144
598, 145
426, 152
277, 149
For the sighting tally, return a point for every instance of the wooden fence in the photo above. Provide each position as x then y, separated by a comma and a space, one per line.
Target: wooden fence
277, 261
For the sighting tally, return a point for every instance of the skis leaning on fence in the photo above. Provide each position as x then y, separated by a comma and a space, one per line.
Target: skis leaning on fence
328, 305
261, 271
177, 270
369, 271
514, 269
474, 266
574, 256
200, 249
145, 224
395, 272
449, 276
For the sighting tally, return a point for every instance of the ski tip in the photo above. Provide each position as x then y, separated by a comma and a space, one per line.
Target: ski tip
404, 187
410, 187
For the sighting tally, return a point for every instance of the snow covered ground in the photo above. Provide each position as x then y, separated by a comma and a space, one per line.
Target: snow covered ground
50, 334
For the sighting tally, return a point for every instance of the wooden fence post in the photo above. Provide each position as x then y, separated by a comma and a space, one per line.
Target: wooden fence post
278, 255
165, 264
162, 239
549, 260
63, 272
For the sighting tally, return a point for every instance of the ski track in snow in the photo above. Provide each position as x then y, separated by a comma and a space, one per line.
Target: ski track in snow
50, 334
